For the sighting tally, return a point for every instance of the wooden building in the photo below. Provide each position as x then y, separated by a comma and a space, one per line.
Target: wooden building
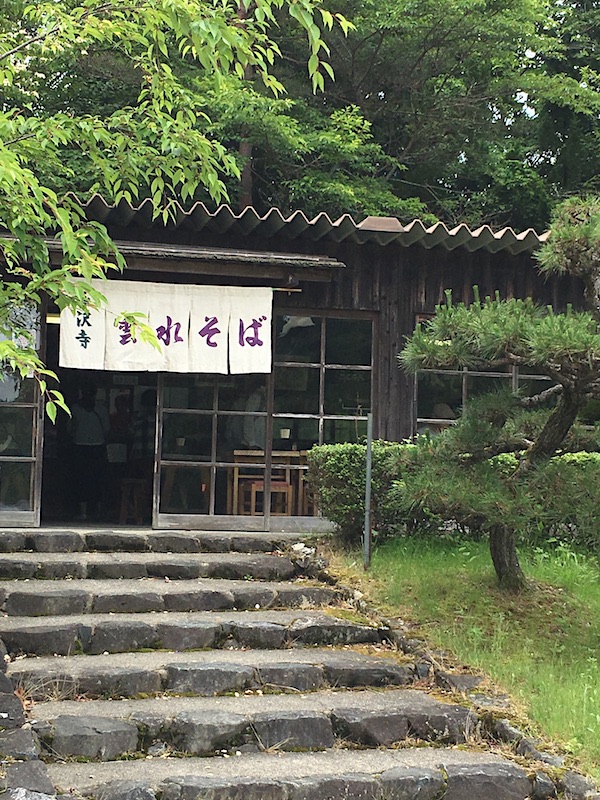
229, 450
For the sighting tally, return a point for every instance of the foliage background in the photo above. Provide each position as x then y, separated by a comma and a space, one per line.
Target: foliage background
462, 110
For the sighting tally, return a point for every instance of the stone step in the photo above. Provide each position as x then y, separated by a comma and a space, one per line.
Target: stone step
104, 729
42, 598
214, 679
231, 566
409, 774
65, 540
205, 673
176, 630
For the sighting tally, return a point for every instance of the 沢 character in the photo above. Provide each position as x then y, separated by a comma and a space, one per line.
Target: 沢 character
82, 318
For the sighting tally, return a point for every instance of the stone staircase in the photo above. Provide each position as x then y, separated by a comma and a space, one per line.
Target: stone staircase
217, 666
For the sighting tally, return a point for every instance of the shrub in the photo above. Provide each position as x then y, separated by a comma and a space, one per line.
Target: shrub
415, 488
336, 474
569, 487
554, 501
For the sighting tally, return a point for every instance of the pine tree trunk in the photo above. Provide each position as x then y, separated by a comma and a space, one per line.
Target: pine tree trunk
505, 558
557, 426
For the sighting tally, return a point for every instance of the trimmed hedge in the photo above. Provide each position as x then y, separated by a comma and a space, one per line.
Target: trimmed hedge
415, 488
336, 473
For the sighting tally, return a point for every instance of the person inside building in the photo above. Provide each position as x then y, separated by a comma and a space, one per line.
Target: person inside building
144, 429
121, 422
89, 429
254, 425
141, 458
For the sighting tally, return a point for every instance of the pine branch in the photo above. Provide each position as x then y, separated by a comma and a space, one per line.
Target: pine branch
542, 397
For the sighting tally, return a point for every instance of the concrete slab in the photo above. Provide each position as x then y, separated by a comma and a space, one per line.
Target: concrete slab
59, 538
407, 701
63, 635
256, 633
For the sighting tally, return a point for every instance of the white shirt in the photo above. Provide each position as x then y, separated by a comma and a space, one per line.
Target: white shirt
89, 427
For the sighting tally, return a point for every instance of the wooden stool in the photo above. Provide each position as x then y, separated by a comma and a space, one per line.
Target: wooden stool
280, 490
133, 501
308, 503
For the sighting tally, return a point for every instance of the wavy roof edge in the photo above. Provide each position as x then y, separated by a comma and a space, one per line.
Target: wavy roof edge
372, 230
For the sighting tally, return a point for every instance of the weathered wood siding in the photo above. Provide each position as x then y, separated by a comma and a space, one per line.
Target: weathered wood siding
393, 283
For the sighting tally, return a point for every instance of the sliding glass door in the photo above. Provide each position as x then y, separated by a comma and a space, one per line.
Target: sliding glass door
20, 451
206, 423
233, 448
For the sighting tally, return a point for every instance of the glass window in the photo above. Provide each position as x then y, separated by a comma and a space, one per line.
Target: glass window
348, 341
15, 390
295, 434
16, 431
344, 430
529, 386
15, 482
240, 432
184, 490
298, 339
223, 491
438, 396
187, 437
241, 481
479, 384
230, 435
297, 390
189, 391
347, 392
236, 392
496, 369
217, 419
255, 431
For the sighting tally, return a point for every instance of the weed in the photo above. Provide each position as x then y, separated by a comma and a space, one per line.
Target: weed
349, 615
273, 748
31, 688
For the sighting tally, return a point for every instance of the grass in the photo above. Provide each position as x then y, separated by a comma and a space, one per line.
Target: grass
542, 647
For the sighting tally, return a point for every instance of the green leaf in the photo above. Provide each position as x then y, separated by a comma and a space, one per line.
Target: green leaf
51, 410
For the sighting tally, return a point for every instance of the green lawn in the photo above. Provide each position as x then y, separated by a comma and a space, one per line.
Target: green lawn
542, 646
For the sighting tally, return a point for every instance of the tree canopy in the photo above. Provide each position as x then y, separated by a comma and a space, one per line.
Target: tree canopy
467, 110
134, 125
490, 107
476, 110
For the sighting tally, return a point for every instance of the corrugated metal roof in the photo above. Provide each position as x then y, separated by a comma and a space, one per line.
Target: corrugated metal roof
376, 230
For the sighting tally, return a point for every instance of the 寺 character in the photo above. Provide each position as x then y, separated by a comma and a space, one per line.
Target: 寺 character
83, 339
